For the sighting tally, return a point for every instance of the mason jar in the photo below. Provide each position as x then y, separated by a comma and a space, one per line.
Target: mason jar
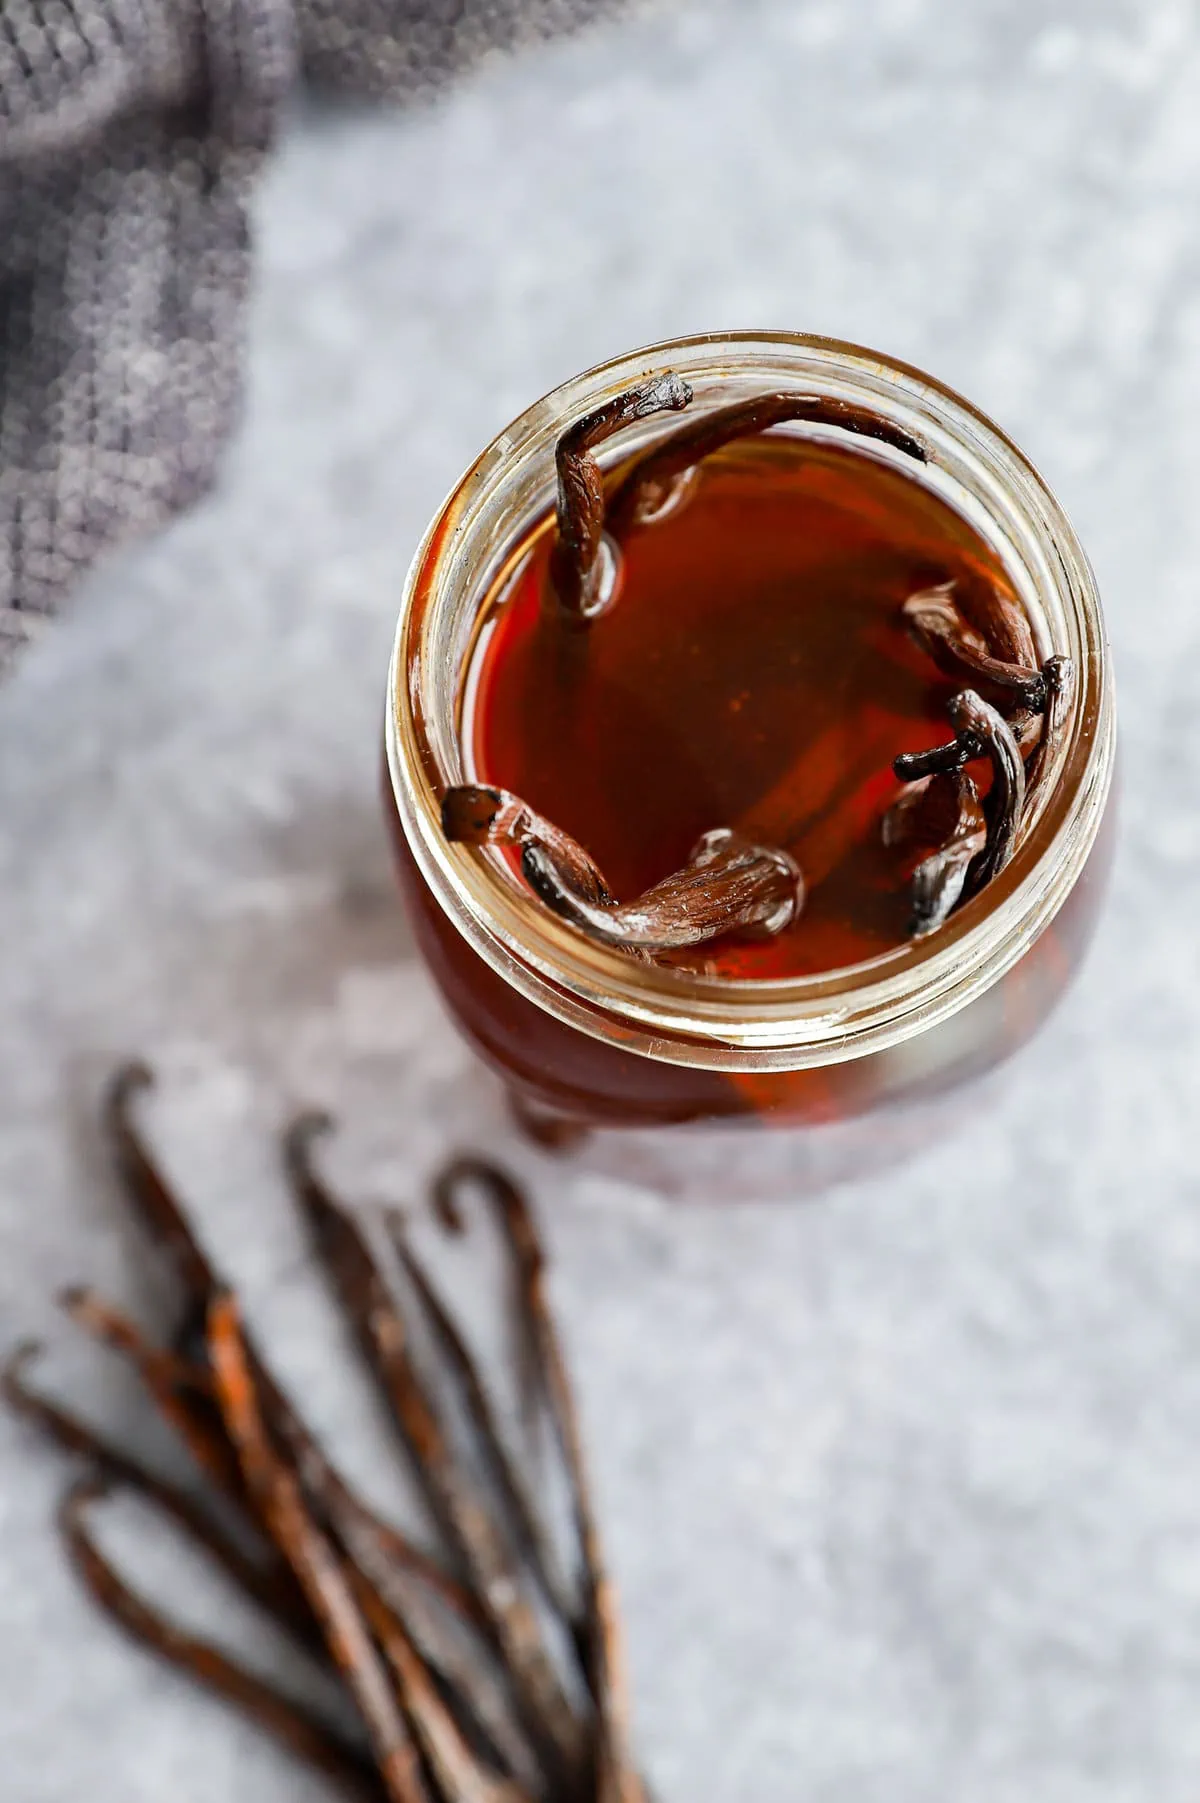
585, 1036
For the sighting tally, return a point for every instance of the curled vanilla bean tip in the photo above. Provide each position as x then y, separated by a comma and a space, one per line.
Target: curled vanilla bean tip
936, 622
15, 1368
585, 563
1059, 673
127, 1082
975, 721
299, 1136
659, 482
728, 885
444, 1203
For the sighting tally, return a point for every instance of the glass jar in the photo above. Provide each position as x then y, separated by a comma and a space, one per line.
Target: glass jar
583, 1034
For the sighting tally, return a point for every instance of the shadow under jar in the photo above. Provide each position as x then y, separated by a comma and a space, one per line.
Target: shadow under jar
751, 670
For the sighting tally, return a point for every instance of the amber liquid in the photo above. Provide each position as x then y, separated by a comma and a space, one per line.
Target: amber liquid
753, 672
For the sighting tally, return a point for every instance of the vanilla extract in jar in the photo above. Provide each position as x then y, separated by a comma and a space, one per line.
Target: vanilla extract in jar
749, 737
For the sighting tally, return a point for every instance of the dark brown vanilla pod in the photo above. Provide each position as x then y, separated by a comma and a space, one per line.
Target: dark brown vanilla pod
975, 721
1059, 675
938, 626
655, 484
464, 1693
462, 1515
475, 815
979, 731
583, 564
943, 812
313, 1742
728, 885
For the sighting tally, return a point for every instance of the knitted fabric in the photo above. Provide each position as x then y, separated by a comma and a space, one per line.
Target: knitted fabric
130, 135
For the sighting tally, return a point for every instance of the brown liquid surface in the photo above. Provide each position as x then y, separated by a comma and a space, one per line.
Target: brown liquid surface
753, 672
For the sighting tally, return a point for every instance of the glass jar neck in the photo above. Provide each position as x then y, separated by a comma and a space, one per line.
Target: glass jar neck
681, 1016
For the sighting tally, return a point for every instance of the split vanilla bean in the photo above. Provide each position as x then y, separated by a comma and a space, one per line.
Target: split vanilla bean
943, 812
979, 731
728, 885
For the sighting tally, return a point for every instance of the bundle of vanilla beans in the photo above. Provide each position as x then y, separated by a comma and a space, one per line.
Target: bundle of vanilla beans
1011, 710
486, 1674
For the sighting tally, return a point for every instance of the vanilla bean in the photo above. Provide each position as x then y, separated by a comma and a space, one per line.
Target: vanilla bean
312, 1557
465, 1519
1059, 673
185, 1405
944, 812
262, 1579
728, 885
415, 1590
979, 731
502, 1193
656, 483
914, 766
404, 1575
973, 718
937, 624
583, 563
409, 1583
505, 1475
477, 815
167, 1223
399, 1632
315, 1743
616, 1778
162, 1367
401, 1572
457, 1770
159, 1212
458, 1665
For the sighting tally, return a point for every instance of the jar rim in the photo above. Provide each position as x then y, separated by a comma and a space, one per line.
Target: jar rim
687, 1017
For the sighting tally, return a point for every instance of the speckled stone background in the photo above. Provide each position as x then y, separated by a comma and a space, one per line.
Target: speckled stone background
902, 1484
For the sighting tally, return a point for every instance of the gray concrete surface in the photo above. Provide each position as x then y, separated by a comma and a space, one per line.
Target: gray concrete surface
903, 1486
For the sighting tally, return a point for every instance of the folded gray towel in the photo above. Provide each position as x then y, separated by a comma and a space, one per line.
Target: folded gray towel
130, 134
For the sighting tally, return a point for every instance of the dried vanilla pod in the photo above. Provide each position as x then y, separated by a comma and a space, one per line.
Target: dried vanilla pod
462, 1691
1015, 711
728, 885
943, 812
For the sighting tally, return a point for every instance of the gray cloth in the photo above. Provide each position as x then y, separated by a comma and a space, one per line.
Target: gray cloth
130, 134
